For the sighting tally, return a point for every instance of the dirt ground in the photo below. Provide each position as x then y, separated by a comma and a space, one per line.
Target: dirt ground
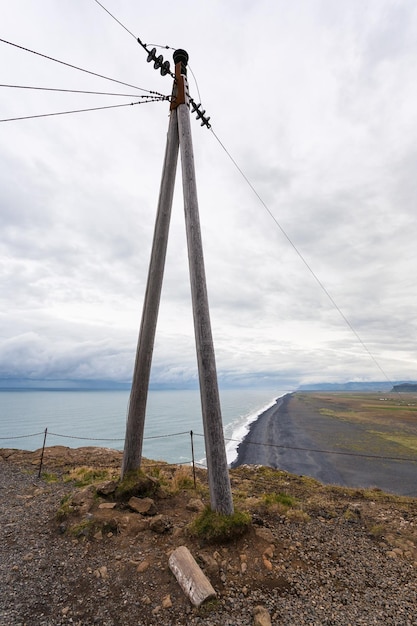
116, 556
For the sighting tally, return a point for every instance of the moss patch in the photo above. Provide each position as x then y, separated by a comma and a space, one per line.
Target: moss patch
215, 527
136, 483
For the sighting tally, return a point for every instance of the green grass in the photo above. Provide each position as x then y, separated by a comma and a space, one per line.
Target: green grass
49, 477
407, 441
136, 483
278, 498
214, 527
83, 529
83, 476
65, 507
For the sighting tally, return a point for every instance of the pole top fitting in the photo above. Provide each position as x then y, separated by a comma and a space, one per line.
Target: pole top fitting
181, 56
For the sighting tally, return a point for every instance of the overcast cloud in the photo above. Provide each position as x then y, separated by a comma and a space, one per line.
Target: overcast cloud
316, 101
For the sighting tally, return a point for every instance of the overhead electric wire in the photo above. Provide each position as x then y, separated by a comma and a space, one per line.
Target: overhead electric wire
304, 260
111, 106
95, 93
115, 19
196, 84
300, 255
162, 97
75, 67
137, 39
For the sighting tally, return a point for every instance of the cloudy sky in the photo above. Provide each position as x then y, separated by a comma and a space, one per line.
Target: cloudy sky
315, 100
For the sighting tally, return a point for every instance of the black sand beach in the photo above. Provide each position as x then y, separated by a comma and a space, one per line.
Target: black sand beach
292, 436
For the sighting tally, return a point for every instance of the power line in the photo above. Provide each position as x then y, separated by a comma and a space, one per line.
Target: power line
97, 93
115, 19
112, 106
303, 259
159, 64
151, 54
75, 67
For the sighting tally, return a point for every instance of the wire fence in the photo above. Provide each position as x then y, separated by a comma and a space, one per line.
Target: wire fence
45, 433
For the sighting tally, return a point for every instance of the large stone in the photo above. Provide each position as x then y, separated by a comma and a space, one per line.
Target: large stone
196, 505
106, 488
144, 506
83, 500
266, 534
261, 616
131, 524
106, 520
140, 486
160, 524
209, 563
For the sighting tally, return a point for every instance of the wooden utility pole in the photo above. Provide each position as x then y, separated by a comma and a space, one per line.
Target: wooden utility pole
219, 482
132, 455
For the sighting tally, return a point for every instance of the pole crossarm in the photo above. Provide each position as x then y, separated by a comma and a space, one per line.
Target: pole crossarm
179, 139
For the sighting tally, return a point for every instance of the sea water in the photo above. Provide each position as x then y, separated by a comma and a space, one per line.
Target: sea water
98, 418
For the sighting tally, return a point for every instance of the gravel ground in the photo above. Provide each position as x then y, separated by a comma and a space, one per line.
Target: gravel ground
324, 571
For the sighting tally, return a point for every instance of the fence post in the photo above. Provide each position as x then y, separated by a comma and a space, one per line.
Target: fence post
192, 455
43, 450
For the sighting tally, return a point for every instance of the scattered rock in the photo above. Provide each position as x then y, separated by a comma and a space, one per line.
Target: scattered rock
325, 572
83, 500
266, 534
142, 567
160, 524
208, 562
144, 506
132, 525
167, 602
267, 564
196, 505
106, 520
101, 572
261, 616
107, 488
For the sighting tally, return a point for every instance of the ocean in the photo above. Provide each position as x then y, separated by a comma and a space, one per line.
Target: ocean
98, 418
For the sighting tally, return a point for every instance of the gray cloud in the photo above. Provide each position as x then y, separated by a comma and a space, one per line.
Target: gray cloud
314, 100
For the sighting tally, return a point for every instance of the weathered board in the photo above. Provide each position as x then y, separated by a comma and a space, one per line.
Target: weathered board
190, 577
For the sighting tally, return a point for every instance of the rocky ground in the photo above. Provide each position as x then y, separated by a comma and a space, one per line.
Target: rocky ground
314, 554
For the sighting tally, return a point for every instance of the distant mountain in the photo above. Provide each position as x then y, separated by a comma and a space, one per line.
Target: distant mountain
351, 386
405, 387
60, 385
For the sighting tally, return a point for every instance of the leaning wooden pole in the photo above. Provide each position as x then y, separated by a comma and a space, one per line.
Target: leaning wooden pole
218, 473
135, 425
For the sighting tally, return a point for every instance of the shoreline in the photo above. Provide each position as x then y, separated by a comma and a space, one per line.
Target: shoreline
252, 450
298, 438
